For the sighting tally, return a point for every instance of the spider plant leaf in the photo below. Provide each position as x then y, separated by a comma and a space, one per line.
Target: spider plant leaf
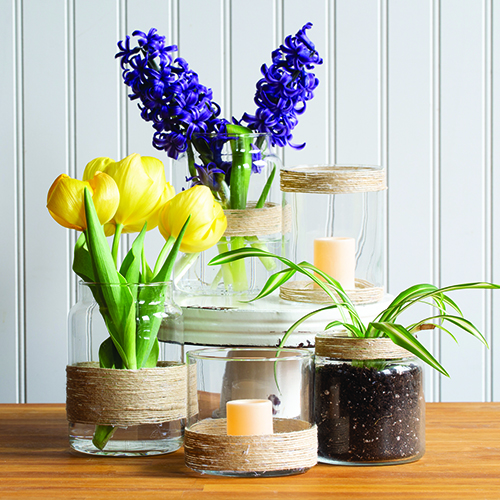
333, 324
403, 338
301, 320
274, 281
415, 328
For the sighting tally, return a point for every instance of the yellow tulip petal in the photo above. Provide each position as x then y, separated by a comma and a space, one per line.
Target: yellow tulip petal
207, 223
96, 165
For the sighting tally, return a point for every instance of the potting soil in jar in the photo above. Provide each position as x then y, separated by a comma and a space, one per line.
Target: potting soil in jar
369, 416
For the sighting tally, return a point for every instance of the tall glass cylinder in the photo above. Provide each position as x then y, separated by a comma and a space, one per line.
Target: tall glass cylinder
243, 172
118, 411
337, 224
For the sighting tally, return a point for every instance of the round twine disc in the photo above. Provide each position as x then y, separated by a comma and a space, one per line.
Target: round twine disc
339, 346
294, 445
125, 397
308, 291
271, 219
334, 179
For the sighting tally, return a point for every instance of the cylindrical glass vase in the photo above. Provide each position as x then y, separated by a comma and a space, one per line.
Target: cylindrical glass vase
337, 224
369, 401
256, 210
280, 442
113, 410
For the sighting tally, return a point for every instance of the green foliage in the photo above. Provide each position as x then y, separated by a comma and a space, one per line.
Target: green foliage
386, 323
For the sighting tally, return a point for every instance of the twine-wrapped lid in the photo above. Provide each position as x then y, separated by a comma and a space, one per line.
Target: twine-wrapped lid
339, 346
333, 179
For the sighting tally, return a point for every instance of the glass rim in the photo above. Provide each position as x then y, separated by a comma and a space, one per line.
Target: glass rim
229, 136
97, 283
211, 354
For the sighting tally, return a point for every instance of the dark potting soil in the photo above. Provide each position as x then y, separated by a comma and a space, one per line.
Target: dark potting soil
367, 415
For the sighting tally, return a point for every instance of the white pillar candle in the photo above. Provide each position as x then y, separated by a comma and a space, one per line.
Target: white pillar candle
249, 417
336, 256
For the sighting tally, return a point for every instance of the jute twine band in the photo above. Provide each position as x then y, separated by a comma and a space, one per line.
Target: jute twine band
335, 179
125, 397
307, 291
293, 445
339, 346
271, 219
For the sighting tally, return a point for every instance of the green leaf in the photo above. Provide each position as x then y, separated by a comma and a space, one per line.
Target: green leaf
165, 272
265, 192
109, 356
403, 338
153, 356
82, 263
118, 305
131, 265
273, 282
301, 320
151, 312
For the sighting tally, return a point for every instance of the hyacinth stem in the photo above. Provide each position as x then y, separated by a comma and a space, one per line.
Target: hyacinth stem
184, 264
227, 274
269, 263
239, 272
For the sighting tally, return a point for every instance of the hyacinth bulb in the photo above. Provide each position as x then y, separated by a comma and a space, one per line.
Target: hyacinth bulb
65, 199
208, 221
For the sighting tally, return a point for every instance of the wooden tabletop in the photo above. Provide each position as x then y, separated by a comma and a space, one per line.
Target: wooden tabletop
462, 462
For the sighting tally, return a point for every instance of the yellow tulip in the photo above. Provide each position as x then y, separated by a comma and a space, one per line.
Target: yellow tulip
65, 200
207, 223
143, 190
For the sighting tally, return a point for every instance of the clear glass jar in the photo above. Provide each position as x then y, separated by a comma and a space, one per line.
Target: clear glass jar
280, 378
266, 227
369, 402
337, 224
137, 411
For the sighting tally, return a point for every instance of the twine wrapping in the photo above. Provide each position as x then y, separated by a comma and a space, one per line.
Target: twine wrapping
271, 219
293, 445
339, 346
335, 179
125, 397
308, 291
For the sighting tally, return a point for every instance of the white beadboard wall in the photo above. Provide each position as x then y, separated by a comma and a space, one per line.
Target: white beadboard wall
411, 85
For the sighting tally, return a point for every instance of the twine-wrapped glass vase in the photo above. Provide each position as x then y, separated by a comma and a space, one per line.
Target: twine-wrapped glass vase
256, 210
369, 401
337, 224
132, 412
254, 414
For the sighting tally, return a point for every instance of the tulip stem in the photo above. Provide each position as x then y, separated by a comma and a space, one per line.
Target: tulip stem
163, 254
116, 242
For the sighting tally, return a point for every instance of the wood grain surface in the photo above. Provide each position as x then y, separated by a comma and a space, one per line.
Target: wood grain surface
462, 462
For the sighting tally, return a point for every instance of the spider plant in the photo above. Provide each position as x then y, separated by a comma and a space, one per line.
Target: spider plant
386, 323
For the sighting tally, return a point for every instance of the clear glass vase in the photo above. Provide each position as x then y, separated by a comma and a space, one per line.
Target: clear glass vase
254, 220
128, 412
369, 402
226, 436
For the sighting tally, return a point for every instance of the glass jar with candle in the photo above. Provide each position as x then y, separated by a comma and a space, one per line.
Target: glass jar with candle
337, 224
254, 414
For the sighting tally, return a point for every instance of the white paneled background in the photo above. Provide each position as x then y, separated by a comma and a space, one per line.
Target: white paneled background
413, 85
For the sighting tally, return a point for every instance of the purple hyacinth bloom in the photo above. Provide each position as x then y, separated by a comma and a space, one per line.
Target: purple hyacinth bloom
284, 89
169, 92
